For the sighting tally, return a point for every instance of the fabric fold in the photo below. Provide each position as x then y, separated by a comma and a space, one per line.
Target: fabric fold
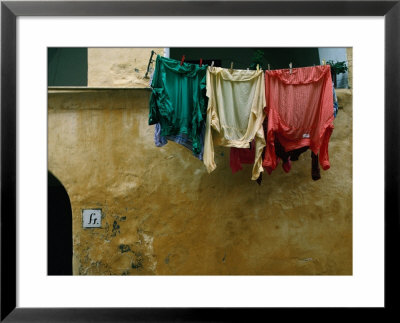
235, 113
300, 75
299, 109
178, 104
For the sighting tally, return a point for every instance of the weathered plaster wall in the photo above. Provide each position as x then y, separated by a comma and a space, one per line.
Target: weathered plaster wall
165, 215
349, 52
119, 67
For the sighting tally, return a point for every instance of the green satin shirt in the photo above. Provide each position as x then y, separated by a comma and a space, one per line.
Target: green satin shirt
178, 100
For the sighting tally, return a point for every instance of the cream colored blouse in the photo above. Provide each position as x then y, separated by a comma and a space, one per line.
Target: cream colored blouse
235, 113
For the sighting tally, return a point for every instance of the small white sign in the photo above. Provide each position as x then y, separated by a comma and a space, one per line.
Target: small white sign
91, 218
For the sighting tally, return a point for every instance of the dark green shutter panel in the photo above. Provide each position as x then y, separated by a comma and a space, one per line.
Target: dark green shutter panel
67, 66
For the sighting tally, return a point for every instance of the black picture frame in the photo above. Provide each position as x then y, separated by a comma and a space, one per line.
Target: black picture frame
10, 10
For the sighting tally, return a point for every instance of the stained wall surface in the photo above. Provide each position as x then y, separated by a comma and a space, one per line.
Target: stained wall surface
119, 67
349, 52
163, 214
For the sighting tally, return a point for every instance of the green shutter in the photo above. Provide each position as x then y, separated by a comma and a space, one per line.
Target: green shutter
67, 66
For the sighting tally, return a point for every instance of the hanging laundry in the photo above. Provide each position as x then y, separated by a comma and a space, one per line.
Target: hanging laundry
315, 171
235, 112
239, 156
181, 139
335, 101
293, 155
299, 110
178, 103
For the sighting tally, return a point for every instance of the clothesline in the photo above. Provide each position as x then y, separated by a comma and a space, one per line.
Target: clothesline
222, 58
199, 108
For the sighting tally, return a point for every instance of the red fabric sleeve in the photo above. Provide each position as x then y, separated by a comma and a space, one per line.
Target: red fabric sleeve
327, 125
323, 150
239, 156
270, 161
234, 160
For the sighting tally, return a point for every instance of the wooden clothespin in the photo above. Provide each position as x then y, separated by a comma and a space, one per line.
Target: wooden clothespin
231, 67
323, 62
212, 64
258, 67
201, 62
268, 67
290, 67
183, 58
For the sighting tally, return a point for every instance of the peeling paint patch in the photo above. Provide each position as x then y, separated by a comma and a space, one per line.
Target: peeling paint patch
148, 245
115, 229
124, 248
137, 263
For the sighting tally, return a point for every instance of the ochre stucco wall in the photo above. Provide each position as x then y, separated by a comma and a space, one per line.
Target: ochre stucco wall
165, 215
349, 52
119, 67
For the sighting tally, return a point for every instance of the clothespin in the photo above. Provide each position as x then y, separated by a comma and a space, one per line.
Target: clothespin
183, 58
212, 64
323, 62
268, 68
148, 65
201, 62
258, 67
231, 66
290, 67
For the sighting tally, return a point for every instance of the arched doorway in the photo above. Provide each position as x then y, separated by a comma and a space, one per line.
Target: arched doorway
59, 229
